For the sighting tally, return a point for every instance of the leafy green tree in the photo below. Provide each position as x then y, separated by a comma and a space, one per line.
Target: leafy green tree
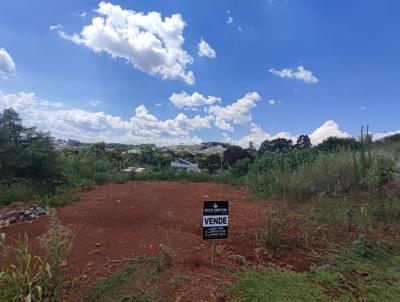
303, 142
233, 153
97, 150
333, 144
213, 163
146, 154
276, 145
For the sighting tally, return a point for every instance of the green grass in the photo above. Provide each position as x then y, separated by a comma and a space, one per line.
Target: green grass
110, 285
277, 286
142, 281
349, 275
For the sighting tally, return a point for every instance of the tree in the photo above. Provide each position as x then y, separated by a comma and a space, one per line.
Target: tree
11, 123
40, 163
213, 163
303, 141
97, 150
233, 153
27, 153
251, 147
146, 154
276, 145
333, 144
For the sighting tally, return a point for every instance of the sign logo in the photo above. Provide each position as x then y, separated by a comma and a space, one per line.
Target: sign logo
215, 220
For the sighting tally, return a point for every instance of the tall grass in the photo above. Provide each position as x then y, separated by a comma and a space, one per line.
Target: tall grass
25, 277
344, 172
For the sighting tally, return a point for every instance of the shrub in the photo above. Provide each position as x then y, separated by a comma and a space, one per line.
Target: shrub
18, 191
100, 178
59, 199
271, 235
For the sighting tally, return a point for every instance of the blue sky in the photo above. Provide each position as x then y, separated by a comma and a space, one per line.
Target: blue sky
133, 71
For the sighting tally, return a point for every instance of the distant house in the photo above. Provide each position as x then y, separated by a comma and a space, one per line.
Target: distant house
182, 164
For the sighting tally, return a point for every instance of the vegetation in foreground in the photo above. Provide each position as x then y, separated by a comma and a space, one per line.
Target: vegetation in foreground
368, 271
26, 277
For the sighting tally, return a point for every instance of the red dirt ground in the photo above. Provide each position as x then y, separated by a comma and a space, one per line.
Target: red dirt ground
121, 221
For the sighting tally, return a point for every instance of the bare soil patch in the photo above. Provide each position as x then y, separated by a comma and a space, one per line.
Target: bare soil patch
116, 223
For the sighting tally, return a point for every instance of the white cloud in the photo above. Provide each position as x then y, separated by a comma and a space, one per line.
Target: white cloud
95, 103
300, 74
239, 28
158, 104
7, 65
56, 27
83, 14
184, 100
237, 112
147, 41
229, 20
142, 127
363, 108
328, 129
380, 135
205, 50
273, 102
257, 135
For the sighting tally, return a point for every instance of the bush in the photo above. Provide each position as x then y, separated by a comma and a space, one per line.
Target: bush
18, 191
100, 178
299, 175
59, 199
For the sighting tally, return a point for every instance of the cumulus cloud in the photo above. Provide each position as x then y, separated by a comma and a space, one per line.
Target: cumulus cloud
380, 135
184, 100
328, 129
300, 74
237, 112
257, 135
83, 14
7, 65
56, 27
75, 123
205, 50
158, 104
147, 41
229, 20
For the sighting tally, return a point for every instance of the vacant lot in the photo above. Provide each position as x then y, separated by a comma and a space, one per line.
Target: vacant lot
114, 223
142, 241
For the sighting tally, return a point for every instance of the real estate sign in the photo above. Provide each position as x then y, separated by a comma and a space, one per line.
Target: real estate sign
215, 220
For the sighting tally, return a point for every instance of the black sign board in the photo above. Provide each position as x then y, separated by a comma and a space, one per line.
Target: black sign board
215, 220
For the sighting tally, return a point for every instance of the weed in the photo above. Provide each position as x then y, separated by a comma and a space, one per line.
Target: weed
23, 277
271, 235
55, 243
111, 284
62, 199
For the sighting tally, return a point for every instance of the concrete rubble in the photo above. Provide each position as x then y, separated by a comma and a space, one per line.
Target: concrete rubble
21, 215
